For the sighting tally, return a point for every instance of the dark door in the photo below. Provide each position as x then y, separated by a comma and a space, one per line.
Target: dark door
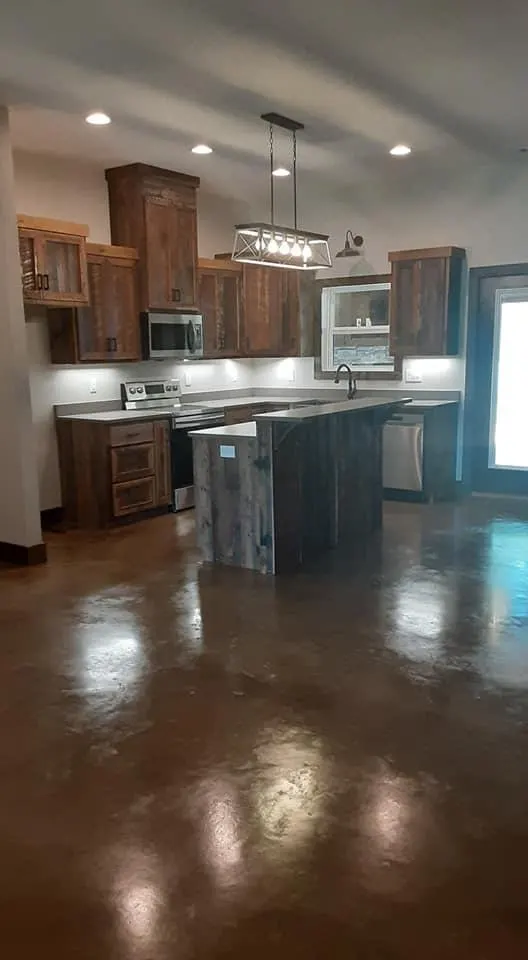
496, 433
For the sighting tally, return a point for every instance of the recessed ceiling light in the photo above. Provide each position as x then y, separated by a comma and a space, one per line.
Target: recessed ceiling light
281, 172
202, 148
98, 119
400, 150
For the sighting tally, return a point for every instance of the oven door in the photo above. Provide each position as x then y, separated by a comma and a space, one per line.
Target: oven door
172, 336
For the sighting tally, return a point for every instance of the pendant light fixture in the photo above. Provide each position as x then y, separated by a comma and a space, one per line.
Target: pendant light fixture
274, 246
353, 245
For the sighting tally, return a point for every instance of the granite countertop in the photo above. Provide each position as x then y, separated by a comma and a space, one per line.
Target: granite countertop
116, 416
327, 409
236, 430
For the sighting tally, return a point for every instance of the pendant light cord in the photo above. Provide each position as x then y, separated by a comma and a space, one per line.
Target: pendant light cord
295, 179
272, 186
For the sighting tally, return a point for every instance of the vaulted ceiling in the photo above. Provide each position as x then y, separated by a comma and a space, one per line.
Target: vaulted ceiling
448, 77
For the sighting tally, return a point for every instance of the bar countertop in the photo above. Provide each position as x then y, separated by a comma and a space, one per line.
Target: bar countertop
327, 409
233, 431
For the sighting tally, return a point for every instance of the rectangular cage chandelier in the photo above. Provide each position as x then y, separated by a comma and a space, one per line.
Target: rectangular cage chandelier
271, 245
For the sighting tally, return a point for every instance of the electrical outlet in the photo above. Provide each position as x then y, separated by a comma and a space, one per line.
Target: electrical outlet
412, 376
187, 378
291, 376
92, 386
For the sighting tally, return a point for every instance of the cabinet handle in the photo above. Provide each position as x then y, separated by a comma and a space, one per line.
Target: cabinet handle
39, 281
45, 281
176, 294
114, 344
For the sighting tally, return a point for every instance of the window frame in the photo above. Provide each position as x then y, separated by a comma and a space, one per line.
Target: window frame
322, 370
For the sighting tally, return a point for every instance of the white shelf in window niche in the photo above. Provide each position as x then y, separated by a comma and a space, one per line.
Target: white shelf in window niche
355, 327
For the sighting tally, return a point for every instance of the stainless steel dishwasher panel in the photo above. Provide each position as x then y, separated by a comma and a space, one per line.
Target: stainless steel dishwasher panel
403, 452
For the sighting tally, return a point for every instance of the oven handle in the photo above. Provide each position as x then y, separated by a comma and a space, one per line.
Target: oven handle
196, 424
191, 337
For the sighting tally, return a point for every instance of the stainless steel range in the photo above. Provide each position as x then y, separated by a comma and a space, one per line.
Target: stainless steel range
157, 397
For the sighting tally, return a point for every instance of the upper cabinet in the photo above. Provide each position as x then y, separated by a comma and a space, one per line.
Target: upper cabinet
219, 301
108, 329
277, 312
154, 210
52, 261
426, 301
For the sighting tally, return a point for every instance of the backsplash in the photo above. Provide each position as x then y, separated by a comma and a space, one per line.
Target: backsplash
432, 373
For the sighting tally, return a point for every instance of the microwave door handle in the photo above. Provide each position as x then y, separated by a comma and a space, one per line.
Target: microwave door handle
191, 337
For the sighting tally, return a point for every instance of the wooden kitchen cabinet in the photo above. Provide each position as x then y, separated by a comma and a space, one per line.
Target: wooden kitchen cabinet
277, 315
154, 210
107, 329
219, 301
52, 261
109, 472
426, 301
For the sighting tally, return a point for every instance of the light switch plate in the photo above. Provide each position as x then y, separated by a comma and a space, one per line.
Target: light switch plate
412, 376
92, 386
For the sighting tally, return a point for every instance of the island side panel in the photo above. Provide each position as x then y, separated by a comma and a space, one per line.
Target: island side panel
203, 497
359, 475
263, 479
226, 502
304, 491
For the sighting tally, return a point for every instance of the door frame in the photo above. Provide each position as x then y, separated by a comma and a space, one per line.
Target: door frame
472, 410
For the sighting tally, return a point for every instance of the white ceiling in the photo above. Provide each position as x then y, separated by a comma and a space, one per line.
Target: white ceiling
448, 77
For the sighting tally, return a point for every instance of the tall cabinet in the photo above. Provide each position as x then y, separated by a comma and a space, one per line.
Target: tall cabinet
154, 210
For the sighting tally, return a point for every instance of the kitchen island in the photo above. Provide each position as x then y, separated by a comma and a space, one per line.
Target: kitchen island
275, 493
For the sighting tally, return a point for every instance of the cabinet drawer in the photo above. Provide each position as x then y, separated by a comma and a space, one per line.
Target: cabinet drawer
125, 433
133, 496
132, 462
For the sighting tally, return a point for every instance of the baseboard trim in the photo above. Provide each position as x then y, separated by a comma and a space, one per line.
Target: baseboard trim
51, 518
23, 556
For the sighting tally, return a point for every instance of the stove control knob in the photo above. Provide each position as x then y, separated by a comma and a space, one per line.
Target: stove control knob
132, 390
168, 387
140, 390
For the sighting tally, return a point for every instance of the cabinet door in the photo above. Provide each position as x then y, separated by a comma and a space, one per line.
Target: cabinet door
432, 285
260, 299
31, 277
62, 263
403, 308
157, 225
183, 255
208, 305
289, 313
219, 302
121, 308
162, 462
93, 337
171, 254
133, 496
132, 462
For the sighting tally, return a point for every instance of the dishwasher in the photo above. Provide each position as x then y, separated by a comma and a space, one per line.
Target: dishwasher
403, 447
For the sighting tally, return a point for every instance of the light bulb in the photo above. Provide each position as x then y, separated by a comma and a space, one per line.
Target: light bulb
306, 253
296, 250
284, 248
258, 244
273, 246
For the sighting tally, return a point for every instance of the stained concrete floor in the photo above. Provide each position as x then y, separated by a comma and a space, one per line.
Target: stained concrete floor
208, 763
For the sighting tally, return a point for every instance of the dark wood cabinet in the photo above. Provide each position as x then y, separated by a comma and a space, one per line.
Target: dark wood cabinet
154, 210
52, 261
277, 317
426, 301
110, 472
108, 329
219, 299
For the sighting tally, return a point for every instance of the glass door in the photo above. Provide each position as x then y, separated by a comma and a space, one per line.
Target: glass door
496, 425
508, 443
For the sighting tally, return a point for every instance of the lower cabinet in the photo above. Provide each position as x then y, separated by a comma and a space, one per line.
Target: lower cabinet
112, 472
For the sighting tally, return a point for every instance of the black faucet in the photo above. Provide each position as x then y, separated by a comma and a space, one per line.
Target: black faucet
352, 390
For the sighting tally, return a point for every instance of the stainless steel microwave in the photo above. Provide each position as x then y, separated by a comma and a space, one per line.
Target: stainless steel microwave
176, 336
